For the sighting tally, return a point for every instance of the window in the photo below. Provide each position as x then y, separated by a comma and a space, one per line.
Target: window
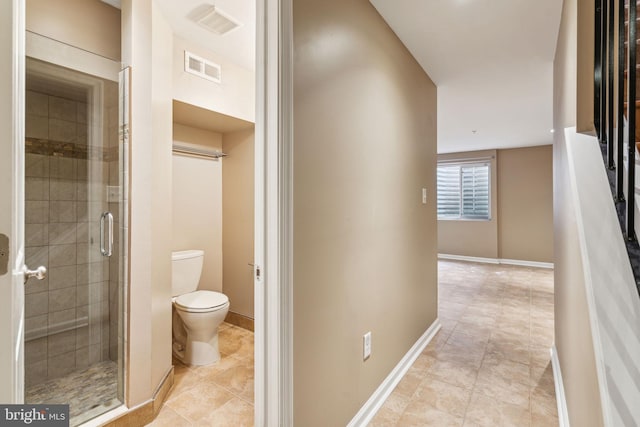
463, 191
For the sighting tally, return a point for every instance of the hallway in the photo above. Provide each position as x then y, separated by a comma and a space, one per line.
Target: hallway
489, 365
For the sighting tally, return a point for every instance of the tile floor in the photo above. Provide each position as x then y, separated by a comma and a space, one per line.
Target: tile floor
489, 364
217, 395
88, 392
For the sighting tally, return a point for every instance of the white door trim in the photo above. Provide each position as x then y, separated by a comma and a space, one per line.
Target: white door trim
12, 94
274, 219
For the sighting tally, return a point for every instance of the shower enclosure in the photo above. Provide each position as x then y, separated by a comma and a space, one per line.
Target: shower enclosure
75, 225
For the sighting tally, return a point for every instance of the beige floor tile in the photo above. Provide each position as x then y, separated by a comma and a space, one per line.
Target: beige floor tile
220, 394
234, 413
424, 362
198, 402
441, 396
410, 382
454, 373
485, 411
494, 366
238, 379
396, 403
421, 416
504, 390
169, 418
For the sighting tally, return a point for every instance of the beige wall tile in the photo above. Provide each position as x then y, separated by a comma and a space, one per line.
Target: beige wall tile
62, 299
36, 304
63, 109
36, 127
35, 351
36, 234
62, 167
36, 188
61, 343
36, 322
36, 165
37, 104
62, 277
62, 189
82, 112
62, 211
36, 212
62, 131
61, 364
62, 233
55, 318
61, 255
36, 373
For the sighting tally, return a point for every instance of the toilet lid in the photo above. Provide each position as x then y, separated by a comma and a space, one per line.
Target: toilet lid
201, 300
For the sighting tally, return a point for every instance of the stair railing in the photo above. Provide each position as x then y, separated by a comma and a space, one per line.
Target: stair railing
615, 123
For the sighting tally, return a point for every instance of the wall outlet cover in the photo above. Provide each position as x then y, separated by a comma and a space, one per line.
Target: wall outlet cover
366, 346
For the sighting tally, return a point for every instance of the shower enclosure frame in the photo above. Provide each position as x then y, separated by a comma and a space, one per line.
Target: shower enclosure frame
16, 43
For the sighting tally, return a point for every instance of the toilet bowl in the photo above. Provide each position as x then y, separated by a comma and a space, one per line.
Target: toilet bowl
196, 313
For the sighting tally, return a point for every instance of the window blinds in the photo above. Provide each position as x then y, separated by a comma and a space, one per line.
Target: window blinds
463, 191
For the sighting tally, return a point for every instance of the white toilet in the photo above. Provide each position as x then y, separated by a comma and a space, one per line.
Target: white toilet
196, 314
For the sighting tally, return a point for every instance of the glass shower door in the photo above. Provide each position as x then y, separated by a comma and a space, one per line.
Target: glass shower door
74, 176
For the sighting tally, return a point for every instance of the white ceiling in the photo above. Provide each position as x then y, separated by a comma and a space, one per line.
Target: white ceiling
492, 61
238, 46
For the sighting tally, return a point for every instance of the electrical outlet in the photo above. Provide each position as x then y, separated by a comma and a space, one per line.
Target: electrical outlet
366, 346
424, 196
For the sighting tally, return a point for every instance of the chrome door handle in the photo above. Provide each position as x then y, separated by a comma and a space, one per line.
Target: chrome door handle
39, 273
106, 251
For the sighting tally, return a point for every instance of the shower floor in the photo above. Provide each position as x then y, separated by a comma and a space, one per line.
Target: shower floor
89, 392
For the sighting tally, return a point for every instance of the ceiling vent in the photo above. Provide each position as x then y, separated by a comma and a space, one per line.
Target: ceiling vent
216, 21
202, 68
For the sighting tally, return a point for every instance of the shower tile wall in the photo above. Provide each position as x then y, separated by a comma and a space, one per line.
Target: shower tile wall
67, 314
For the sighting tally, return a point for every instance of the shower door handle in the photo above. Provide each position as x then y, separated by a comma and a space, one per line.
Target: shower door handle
39, 273
108, 250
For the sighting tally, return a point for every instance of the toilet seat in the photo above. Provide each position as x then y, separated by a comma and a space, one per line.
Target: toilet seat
201, 301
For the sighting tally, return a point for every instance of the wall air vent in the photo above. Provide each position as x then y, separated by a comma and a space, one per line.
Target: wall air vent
216, 21
202, 68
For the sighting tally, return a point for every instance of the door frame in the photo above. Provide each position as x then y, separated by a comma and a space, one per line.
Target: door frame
12, 92
274, 214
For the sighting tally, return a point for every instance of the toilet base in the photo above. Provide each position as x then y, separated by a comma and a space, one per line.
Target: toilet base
199, 353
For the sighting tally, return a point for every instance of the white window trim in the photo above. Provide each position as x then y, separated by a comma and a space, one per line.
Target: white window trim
470, 162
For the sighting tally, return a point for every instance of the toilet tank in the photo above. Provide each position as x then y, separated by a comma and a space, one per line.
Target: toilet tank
186, 270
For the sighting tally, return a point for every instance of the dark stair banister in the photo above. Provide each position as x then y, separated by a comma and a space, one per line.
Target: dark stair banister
620, 109
631, 118
597, 107
610, 89
609, 117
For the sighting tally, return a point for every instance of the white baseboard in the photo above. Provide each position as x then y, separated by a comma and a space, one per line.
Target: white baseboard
519, 262
563, 413
536, 264
377, 399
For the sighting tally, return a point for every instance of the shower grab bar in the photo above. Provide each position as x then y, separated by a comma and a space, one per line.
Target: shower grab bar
109, 250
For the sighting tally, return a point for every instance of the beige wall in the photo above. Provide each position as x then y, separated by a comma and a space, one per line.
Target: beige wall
238, 224
572, 325
90, 25
147, 39
235, 96
521, 225
197, 203
471, 238
525, 204
365, 145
